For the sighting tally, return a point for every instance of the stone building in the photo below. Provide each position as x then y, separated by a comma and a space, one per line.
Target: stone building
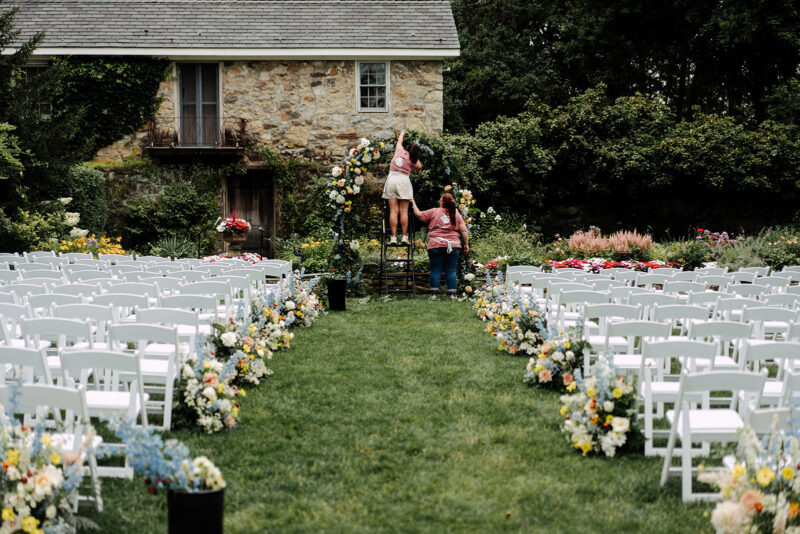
305, 77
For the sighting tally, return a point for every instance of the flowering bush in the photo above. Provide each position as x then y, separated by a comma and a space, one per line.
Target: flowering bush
491, 267
555, 361
595, 265
488, 299
761, 492
620, 245
599, 417
83, 243
239, 338
36, 482
249, 257
233, 226
715, 239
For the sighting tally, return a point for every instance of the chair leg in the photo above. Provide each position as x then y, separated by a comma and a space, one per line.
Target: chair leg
686, 470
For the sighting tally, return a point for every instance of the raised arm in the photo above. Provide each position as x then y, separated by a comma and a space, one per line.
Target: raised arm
400, 139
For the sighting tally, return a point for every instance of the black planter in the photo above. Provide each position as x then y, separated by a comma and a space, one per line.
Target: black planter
337, 291
196, 512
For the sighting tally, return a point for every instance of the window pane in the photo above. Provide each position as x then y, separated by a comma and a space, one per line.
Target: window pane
364, 102
380, 76
188, 81
363, 68
209, 126
209, 83
380, 102
188, 125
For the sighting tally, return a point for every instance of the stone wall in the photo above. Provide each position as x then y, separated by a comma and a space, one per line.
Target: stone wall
308, 108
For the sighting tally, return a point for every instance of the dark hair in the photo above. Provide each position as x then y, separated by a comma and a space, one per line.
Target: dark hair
449, 203
414, 152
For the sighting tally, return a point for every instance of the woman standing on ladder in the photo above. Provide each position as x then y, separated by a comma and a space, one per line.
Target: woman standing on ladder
398, 190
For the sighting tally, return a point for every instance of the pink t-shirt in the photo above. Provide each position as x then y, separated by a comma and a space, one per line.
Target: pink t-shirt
401, 161
441, 229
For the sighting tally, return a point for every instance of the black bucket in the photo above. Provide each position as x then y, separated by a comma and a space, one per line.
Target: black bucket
337, 291
195, 512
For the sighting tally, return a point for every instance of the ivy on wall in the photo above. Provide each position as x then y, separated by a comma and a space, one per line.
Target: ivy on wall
116, 96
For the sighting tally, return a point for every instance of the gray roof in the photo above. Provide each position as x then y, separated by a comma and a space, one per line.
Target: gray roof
242, 24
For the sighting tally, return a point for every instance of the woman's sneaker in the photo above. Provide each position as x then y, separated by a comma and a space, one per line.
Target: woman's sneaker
393, 240
453, 296
405, 240
432, 297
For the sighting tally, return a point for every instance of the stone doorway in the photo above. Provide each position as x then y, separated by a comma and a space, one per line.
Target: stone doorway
252, 197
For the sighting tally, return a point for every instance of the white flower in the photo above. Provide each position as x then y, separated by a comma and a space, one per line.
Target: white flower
210, 394
570, 355
620, 424
469, 277
72, 218
558, 356
65, 200
497, 218
359, 180
336, 171
352, 151
364, 142
228, 339
483, 215
608, 406
77, 233
367, 158
50, 513
332, 194
354, 244
490, 210
221, 227
356, 190
290, 305
730, 517
339, 199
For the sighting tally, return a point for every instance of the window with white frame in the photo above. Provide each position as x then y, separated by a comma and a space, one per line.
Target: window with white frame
372, 85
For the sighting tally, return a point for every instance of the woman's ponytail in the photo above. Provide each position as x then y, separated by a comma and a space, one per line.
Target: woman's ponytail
449, 203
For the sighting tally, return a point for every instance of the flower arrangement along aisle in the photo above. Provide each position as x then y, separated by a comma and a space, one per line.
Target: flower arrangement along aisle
518, 325
488, 299
601, 416
761, 492
555, 361
38, 485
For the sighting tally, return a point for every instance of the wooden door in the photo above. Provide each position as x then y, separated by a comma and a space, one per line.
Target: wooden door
252, 197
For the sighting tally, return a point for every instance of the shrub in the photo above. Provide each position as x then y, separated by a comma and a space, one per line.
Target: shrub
517, 245
87, 188
690, 254
179, 210
622, 245
783, 251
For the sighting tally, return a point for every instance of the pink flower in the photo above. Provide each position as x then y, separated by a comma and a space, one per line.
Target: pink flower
545, 375
751, 499
568, 378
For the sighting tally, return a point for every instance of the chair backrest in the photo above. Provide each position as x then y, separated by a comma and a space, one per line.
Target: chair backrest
168, 317
742, 277
758, 271
723, 330
720, 281
517, 268
124, 268
651, 279
212, 270
763, 420
63, 332
41, 304
38, 399
784, 300
583, 296
633, 330
627, 276
221, 290
164, 283
77, 256
44, 275
202, 303
83, 276
22, 290
774, 283
705, 298
681, 312
712, 381
33, 364
647, 300
612, 311
28, 267
84, 290
123, 304
622, 294
191, 276
686, 276
256, 275
605, 285
71, 269
9, 276
105, 371
768, 313
785, 353
114, 257
683, 287
794, 276
135, 288
711, 270
661, 353
11, 316
151, 258
141, 334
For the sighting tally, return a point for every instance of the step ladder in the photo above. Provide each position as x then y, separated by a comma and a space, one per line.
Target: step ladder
403, 281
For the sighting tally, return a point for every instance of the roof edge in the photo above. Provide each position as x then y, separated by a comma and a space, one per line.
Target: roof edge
249, 53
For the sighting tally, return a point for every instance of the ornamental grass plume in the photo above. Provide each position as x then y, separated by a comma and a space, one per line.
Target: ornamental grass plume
622, 241
590, 243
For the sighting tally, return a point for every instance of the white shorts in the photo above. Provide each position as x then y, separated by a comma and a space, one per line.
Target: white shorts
398, 185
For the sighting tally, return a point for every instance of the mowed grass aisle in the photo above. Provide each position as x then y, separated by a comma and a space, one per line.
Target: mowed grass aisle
404, 417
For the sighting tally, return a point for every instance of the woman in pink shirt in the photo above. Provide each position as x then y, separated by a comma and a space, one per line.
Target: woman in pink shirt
444, 242
397, 189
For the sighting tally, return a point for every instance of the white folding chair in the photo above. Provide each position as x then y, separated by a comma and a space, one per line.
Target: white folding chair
719, 281
630, 358
730, 308
784, 353
124, 305
758, 271
159, 372
713, 271
41, 305
685, 276
596, 318
99, 318
648, 300
654, 387
186, 321
220, 290
24, 364
82, 290
769, 322
650, 280
64, 334
681, 289
727, 337
75, 438
773, 284
678, 316
205, 305
570, 305
706, 424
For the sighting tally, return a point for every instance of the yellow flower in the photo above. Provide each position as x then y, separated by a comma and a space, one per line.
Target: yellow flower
206, 365
591, 392
765, 476
235, 412
242, 393
787, 473
30, 523
567, 345
55, 458
739, 470
7, 514
616, 393
47, 440
12, 457
586, 447
220, 388
572, 385
564, 410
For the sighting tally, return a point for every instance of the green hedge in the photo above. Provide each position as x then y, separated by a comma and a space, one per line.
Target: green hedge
87, 187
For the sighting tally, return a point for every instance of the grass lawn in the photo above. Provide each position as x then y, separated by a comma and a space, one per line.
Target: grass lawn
404, 417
